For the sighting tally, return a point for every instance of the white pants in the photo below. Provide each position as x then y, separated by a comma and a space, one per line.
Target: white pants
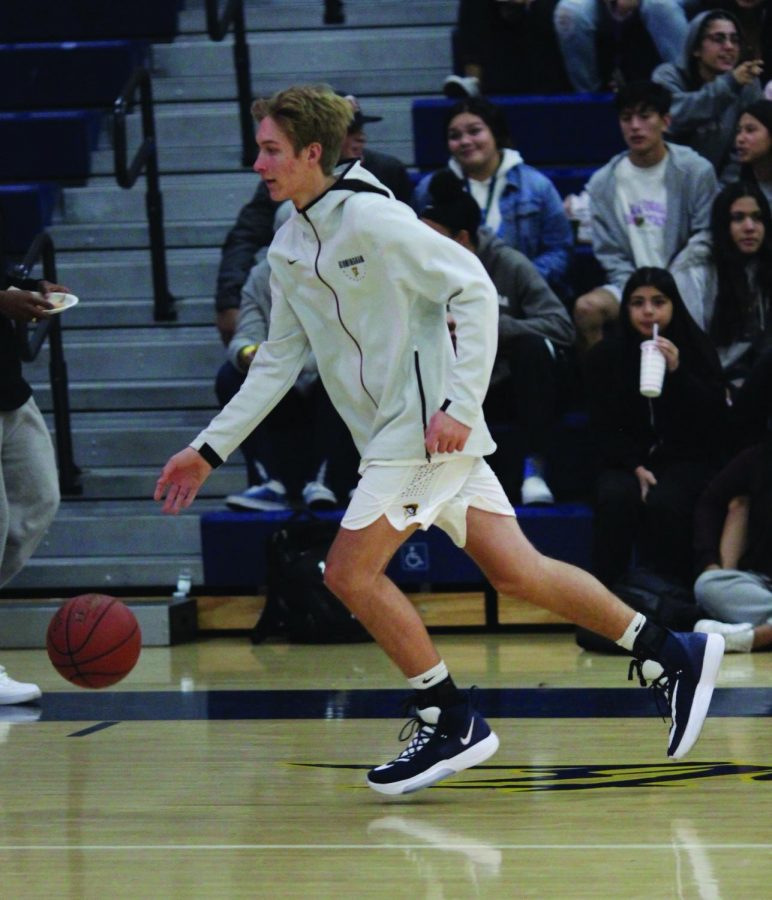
29, 486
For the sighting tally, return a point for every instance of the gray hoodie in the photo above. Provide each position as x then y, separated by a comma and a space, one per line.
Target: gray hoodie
705, 115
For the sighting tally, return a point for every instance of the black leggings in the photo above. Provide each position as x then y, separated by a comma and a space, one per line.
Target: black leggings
660, 529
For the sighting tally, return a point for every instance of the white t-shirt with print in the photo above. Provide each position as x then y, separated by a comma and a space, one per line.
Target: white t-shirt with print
641, 204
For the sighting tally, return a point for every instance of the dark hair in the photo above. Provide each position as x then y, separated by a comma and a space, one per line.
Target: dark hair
451, 206
693, 344
492, 115
712, 16
734, 299
639, 95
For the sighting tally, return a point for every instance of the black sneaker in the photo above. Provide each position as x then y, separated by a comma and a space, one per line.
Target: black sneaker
684, 676
460, 739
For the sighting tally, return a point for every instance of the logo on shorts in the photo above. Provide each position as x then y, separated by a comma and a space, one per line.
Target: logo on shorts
410, 510
353, 268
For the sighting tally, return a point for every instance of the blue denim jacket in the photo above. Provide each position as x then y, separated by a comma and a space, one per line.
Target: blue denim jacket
533, 220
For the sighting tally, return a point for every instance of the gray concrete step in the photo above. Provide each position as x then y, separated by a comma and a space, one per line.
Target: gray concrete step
99, 395
127, 312
62, 573
110, 277
98, 236
401, 53
185, 198
137, 439
287, 15
207, 138
134, 482
131, 358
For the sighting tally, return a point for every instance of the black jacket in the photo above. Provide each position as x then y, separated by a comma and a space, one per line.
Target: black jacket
14, 390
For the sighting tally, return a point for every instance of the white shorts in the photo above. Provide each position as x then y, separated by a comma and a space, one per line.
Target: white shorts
436, 493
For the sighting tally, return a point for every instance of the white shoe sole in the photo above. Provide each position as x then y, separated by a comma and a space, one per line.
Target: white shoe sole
711, 663
481, 751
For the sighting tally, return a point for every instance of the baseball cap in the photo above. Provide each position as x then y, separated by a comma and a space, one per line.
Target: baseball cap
360, 119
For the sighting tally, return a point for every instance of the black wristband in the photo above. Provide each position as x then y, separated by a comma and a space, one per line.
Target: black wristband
210, 456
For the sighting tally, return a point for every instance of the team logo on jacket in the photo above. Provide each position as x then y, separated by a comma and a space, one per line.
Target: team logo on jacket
353, 268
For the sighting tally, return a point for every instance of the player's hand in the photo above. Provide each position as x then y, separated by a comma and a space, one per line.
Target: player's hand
646, 480
180, 480
445, 434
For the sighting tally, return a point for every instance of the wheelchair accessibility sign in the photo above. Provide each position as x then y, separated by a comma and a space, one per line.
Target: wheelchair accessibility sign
414, 557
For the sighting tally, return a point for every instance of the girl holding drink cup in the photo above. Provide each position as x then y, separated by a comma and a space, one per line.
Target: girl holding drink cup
656, 452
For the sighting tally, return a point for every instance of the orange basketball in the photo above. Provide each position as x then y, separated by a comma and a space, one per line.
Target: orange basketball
94, 640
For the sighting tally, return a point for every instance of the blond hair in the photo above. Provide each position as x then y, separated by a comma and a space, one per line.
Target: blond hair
307, 114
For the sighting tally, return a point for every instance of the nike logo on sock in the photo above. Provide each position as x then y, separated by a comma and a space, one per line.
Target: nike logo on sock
468, 738
427, 680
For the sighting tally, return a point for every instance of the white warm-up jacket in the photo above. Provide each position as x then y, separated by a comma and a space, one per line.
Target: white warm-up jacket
360, 280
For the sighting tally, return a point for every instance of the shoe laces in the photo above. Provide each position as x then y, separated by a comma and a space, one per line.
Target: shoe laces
661, 687
415, 730
419, 733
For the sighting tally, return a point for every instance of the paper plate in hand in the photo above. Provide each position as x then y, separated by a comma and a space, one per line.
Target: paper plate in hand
61, 302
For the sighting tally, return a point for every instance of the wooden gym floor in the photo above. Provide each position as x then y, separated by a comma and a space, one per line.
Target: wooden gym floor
223, 770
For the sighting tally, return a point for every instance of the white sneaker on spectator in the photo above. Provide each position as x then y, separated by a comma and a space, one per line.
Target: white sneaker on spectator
316, 495
534, 490
16, 691
738, 637
459, 86
268, 497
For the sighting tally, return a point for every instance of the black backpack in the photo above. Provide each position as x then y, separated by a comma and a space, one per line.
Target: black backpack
298, 605
664, 601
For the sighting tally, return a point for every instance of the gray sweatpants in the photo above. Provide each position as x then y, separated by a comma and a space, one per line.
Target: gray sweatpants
732, 595
29, 486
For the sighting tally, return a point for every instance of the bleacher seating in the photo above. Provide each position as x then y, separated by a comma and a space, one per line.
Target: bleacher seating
74, 75
568, 130
88, 20
234, 547
47, 145
27, 208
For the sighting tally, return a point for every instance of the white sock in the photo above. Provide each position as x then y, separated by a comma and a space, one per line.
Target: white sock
433, 676
632, 631
429, 678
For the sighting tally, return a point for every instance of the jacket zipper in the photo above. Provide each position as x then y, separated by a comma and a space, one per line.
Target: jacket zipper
423, 399
337, 309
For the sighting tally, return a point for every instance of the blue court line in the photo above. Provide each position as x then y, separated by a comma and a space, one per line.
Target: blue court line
518, 703
85, 732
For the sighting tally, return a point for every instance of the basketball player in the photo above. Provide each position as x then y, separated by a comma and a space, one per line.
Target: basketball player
358, 279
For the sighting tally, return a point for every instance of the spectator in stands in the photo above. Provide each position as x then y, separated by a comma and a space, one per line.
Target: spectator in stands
755, 19
711, 85
730, 293
249, 238
656, 454
519, 204
301, 451
735, 580
29, 485
753, 145
606, 42
506, 47
648, 204
534, 331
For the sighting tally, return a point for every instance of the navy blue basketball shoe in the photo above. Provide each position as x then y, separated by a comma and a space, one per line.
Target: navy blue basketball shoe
460, 739
684, 676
